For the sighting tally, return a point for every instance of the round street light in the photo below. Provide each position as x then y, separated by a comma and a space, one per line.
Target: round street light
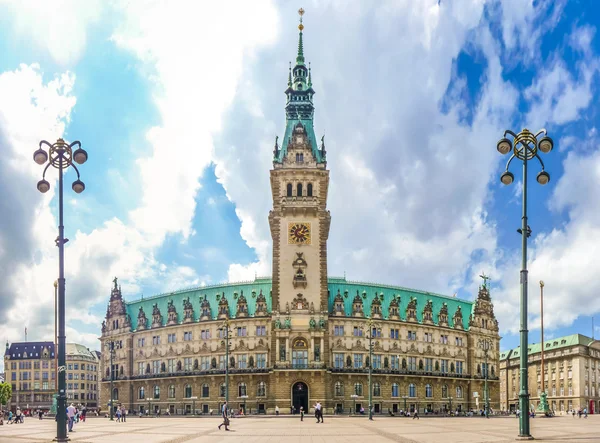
507, 178
546, 144
43, 186
504, 146
78, 186
80, 156
40, 156
543, 178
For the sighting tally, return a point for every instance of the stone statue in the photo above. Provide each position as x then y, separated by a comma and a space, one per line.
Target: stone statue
322, 323
103, 326
277, 323
288, 323
312, 323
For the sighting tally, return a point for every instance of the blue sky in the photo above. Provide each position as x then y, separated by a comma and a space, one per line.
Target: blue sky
179, 106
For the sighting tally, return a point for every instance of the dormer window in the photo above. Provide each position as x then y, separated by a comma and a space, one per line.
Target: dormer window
299, 158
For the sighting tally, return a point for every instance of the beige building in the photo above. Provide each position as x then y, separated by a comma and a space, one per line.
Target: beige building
571, 373
302, 335
82, 375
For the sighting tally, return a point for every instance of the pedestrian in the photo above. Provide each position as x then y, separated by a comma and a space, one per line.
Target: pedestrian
416, 414
10, 417
276, 410
118, 414
19, 416
40, 413
71, 416
316, 406
584, 412
225, 417
301, 413
123, 414
319, 412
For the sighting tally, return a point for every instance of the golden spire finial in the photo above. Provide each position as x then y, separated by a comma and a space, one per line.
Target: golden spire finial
300, 13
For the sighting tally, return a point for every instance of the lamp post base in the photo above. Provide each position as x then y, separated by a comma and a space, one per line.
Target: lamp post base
524, 437
61, 440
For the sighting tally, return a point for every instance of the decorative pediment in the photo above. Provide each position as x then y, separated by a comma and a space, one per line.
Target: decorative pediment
429, 350
445, 352
412, 348
376, 307
443, 315
395, 346
393, 310
142, 320
155, 352
261, 346
157, 318
261, 304
359, 346
205, 309
338, 305
222, 345
242, 306
459, 353
171, 351
241, 346
411, 310
458, 318
171, 313
223, 308
428, 312
357, 306
204, 347
377, 346
300, 303
188, 348
338, 345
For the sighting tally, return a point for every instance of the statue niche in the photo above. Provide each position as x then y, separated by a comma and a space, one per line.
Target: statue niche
261, 305
393, 311
242, 306
156, 316
223, 308
299, 271
443, 315
171, 313
458, 319
357, 306
142, 320
428, 312
376, 307
411, 310
188, 311
338, 305
205, 309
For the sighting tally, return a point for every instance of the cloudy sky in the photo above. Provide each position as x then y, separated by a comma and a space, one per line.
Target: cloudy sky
178, 105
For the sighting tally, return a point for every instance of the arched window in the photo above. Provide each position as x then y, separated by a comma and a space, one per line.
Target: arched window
241, 389
395, 390
459, 392
156, 392
412, 390
376, 389
205, 390
358, 389
428, 391
222, 390
309, 190
142, 393
299, 189
172, 391
261, 389
339, 389
115, 393
188, 391
289, 189
445, 391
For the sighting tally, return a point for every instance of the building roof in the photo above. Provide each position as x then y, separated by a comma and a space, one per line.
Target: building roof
74, 349
251, 291
549, 345
30, 350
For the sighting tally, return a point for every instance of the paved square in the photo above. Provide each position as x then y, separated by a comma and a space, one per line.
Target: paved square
290, 429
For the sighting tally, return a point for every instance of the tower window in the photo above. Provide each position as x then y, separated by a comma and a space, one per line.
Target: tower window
309, 190
289, 189
299, 158
299, 190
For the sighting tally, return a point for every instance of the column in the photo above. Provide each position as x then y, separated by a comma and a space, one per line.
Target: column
276, 350
312, 346
288, 357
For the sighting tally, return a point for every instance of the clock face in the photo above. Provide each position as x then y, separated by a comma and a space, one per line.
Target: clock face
299, 233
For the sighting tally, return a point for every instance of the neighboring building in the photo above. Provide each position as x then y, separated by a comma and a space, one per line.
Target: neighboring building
300, 336
98, 356
29, 368
571, 373
82, 375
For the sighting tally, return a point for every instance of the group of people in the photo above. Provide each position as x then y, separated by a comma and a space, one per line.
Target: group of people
121, 414
75, 415
15, 418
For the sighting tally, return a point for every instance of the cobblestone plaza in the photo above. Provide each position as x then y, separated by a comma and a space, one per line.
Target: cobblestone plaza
291, 429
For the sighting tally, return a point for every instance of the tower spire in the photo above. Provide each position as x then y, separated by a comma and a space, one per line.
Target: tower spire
300, 56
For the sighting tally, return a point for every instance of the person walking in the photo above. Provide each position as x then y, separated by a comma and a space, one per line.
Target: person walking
301, 413
416, 414
123, 415
319, 410
225, 417
276, 410
71, 416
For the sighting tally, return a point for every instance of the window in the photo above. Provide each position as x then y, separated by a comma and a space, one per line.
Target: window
429, 364
376, 390
458, 341
444, 339
170, 365
187, 391
222, 390
241, 331
261, 389
299, 189
204, 363
394, 333
459, 367
444, 368
338, 360
205, 391
171, 391
222, 362
358, 332
358, 389
241, 389
412, 390
376, 361
309, 190
289, 189
115, 394
156, 392
412, 335
261, 361
376, 332
156, 340
261, 331
358, 361
205, 334
395, 390
155, 366
242, 361
459, 392
171, 338
569, 373
444, 391
299, 358
75, 366
428, 391
187, 336
395, 362
428, 337
412, 363
338, 330
187, 364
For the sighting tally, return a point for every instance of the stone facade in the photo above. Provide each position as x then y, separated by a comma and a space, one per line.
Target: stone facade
571, 374
300, 336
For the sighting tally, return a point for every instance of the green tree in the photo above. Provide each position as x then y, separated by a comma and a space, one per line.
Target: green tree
5, 394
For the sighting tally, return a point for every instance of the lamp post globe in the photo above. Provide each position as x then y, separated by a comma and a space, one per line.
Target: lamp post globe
80, 156
43, 186
504, 146
40, 156
546, 144
78, 186
507, 178
543, 178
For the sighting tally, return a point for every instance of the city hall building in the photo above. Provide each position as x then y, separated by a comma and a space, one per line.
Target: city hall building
300, 336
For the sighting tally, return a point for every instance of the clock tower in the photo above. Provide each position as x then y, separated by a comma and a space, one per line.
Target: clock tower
299, 220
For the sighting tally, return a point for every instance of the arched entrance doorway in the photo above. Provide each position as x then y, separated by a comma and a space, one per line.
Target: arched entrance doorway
300, 396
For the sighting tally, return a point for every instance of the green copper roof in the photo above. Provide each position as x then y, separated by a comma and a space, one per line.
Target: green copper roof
251, 290
549, 345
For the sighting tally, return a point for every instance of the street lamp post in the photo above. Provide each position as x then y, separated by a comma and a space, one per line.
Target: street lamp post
370, 324
148, 399
194, 404
354, 397
485, 344
405, 397
225, 327
60, 155
244, 397
525, 146
450, 398
111, 350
